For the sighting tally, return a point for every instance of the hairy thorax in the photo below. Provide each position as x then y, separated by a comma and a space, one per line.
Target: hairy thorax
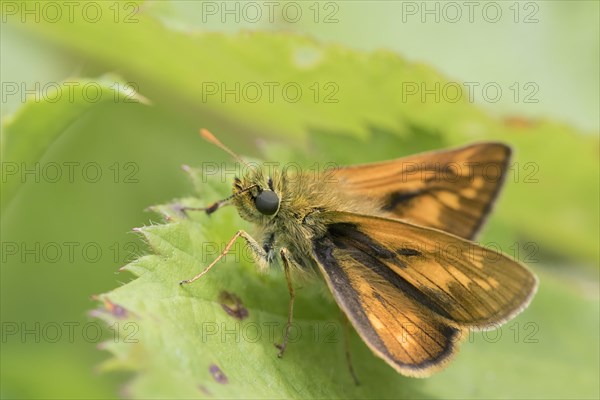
305, 199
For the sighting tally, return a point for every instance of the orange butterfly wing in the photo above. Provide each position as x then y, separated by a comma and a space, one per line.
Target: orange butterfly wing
411, 292
452, 190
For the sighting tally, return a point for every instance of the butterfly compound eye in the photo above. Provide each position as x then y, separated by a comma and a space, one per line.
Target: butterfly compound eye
267, 202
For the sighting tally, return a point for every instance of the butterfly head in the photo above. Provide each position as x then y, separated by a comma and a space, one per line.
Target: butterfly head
256, 197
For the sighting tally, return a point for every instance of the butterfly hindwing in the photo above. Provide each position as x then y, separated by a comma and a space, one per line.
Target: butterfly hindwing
413, 340
408, 299
451, 190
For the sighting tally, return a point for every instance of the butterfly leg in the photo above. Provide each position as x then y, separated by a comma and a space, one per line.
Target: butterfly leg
259, 252
286, 267
347, 328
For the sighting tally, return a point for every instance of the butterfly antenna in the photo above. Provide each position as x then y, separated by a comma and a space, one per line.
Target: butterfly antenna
209, 137
218, 204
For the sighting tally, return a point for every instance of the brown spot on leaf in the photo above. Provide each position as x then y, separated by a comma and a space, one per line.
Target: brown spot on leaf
518, 122
216, 373
204, 390
114, 309
233, 305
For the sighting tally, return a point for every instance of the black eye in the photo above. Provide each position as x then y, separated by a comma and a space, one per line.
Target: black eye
267, 202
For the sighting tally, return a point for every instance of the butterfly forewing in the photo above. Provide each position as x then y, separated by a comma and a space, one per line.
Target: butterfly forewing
410, 291
450, 190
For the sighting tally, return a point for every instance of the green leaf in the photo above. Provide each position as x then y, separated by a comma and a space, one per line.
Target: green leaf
55, 109
189, 345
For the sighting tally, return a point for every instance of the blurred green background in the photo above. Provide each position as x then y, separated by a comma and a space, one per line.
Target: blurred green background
101, 106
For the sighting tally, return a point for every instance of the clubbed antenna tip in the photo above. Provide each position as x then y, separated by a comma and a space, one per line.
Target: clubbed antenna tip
209, 137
